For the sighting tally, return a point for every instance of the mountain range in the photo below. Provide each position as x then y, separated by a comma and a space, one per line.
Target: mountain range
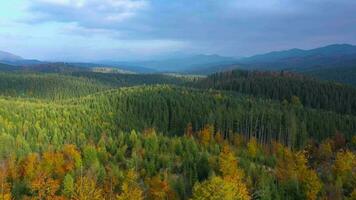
340, 58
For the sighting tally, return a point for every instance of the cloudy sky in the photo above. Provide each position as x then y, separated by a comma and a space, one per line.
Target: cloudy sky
75, 30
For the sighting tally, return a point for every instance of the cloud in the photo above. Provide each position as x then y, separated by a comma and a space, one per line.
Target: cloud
234, 27
86, 13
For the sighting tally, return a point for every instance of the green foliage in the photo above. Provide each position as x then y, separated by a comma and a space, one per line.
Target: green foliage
68, 185
48, 86
286, 86
168, 142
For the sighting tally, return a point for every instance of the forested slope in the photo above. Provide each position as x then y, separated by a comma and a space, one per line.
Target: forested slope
286, 86
48, 86
73, 84
346, 75
154, 142
122, 80
170, 110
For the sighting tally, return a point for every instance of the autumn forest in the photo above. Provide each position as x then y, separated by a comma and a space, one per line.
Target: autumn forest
233, 135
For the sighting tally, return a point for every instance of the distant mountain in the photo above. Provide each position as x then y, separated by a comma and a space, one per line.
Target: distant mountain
6, 56
336, 55
180, 64
11, 59
318, 61
334, 62
335, 50
11, 62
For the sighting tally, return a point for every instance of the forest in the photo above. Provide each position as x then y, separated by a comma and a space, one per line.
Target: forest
235, 135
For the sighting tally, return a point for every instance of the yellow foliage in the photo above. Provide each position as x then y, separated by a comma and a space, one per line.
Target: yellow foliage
216, 188
252, 147
29, 165
325, 150
53, 162
130, 189
206, 135
312, 184
6, 196
86, 189
292, 166
231, 173
72, 157
345, 163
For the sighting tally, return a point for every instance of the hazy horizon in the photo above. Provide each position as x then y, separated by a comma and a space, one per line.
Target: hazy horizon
91, 30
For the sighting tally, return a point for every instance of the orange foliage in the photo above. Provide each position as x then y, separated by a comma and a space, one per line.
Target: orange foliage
206, 135
45, 187
159, 189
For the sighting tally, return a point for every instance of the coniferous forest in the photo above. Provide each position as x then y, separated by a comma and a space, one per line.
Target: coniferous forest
177, 100
231, 135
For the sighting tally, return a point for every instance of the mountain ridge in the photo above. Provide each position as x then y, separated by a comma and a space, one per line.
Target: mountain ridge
4, 55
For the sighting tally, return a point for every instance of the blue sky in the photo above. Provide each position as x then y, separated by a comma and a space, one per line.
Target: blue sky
78, 30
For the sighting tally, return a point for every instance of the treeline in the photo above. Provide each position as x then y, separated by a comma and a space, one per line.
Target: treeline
169, 110
47, 86
286, 86
339, 74
122, 79
56, 86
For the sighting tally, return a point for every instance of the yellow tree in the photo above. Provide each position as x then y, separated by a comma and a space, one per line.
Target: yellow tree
53, 162
232, 174
285, 168
345, 168
310, 181
291, 166
325, 150
206, 135
214, 189
29, 165
345, 163
130, 190
86, 189
72, 157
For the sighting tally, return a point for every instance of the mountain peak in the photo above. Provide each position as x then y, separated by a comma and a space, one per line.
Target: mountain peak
6, 56
329, 50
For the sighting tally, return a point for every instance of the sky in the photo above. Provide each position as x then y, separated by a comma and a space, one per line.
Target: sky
92, 30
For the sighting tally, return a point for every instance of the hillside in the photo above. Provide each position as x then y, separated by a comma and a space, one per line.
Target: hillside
67, 128
6, 56
286, 86
164, 131
170, 109
72, 82
343, 74
47, 86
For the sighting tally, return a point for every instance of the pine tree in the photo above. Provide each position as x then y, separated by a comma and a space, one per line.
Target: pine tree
68, 186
